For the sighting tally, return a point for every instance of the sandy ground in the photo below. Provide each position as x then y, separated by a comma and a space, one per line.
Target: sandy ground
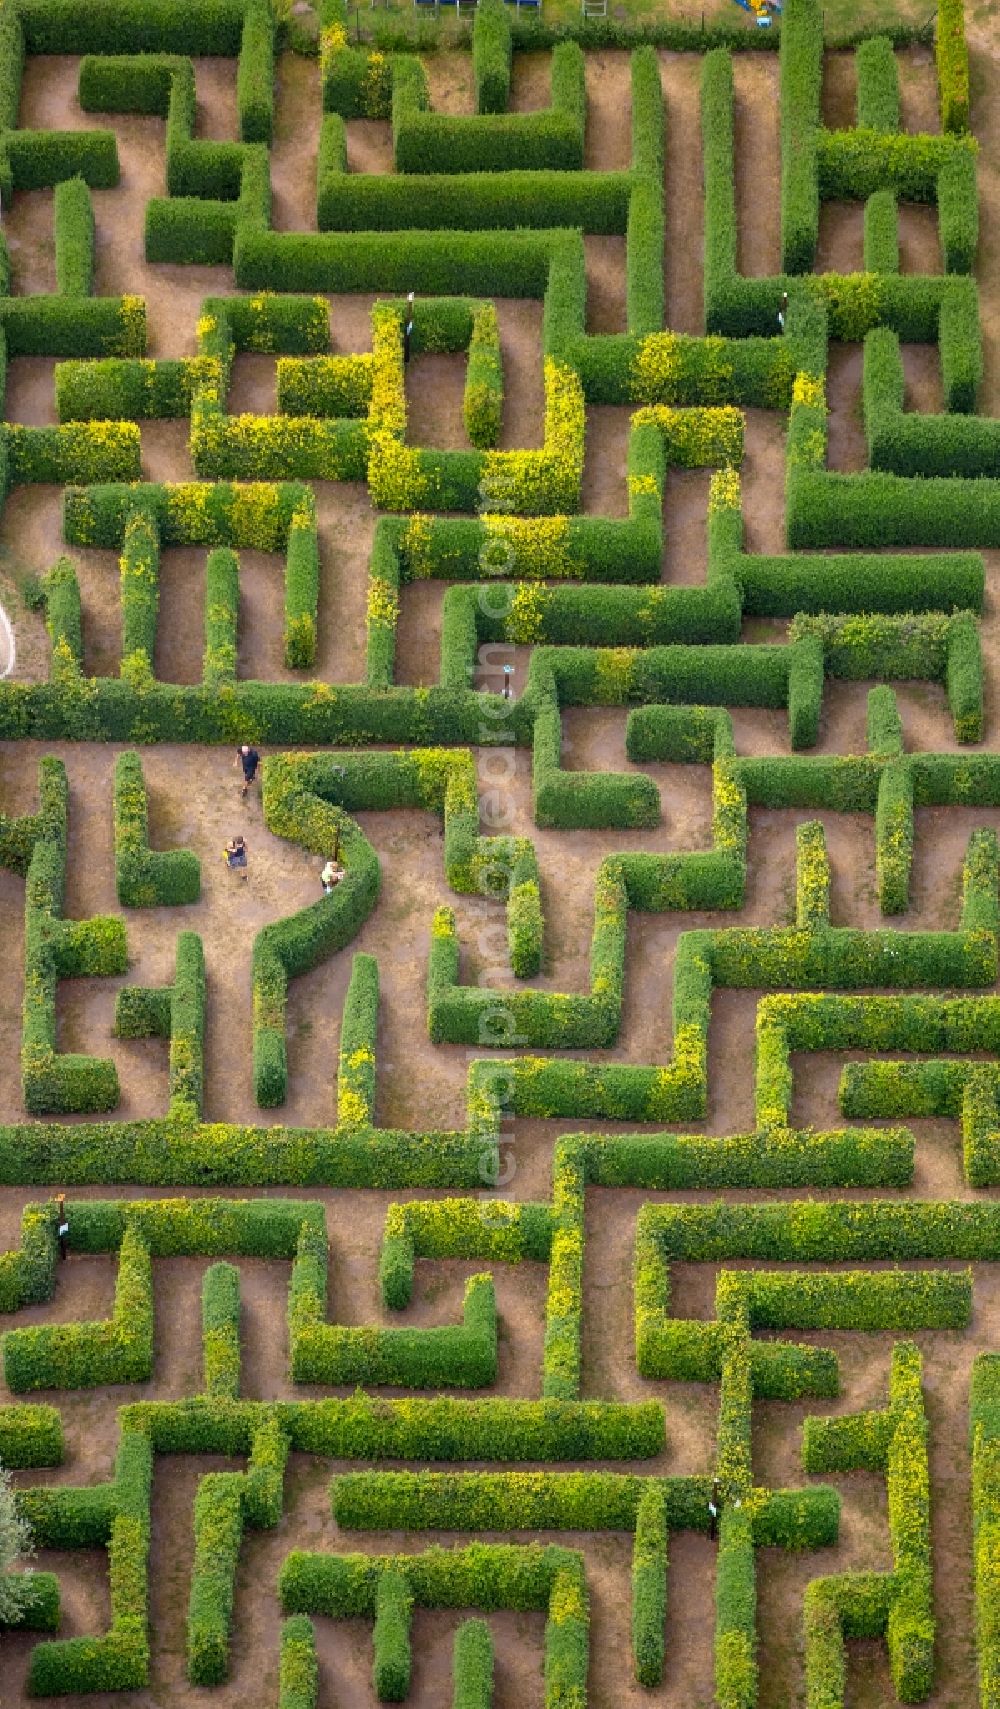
194, 803
680, 75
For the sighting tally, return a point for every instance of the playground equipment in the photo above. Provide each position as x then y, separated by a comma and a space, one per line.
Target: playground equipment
761, 10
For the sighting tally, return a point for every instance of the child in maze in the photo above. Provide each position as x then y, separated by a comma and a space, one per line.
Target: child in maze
236, 857
331, 875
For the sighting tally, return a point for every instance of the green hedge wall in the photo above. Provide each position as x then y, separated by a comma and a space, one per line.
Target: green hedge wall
881, 240
475, 200
220, 1328
74, 232
952, 65
801, 62
89, 1355
255, 73
498, 142
39, 158
482, 403
878, 85
491, 57
74, 326
908, 443
222, 595
298, 1675
472, 1667
461, 1356
145, 878
63, 619
132, 26
30, 1436
119, 388
54, 1082
292, 946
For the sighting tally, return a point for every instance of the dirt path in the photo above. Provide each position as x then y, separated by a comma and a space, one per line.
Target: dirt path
608, 143
758, 156
297, 119
680, 77
840, 91
847, 450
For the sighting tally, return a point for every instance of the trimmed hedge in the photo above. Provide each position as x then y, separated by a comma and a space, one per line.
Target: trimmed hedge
881, 233
11, 66
301, 591
496, 142
39, 159
218, 1531
224, 1504
358, 1036
133, 389
908, 443
801, 62
255, 73
220, 1328
952, 65
897, 1604
33, 1602
54, 1082
74, 326
145, 878
305, 813
222, 597
484, 1575
74, 232
176, 1012
118, 1660
393, 1660
482, 403
139, 567
132, 26
463, 1356
89, 1355
443, 1429
476, 200
472, 1666
30, 1436
878, 85
984, 1422
63, 619
491, 57
299, 1666
77, 451
881, 509
854, 164
649, 1585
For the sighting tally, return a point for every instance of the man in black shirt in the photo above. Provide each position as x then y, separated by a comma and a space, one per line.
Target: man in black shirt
249, 759
408, 328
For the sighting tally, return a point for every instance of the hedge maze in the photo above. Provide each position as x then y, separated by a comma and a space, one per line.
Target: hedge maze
692, 1381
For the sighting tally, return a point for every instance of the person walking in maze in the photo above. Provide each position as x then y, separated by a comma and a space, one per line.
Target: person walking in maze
62, 1225
331, 875
714, 1509
236, 857
249, 759
332, 872
408, 328
783, 311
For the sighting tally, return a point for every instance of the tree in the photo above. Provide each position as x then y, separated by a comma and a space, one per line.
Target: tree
15, 1545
